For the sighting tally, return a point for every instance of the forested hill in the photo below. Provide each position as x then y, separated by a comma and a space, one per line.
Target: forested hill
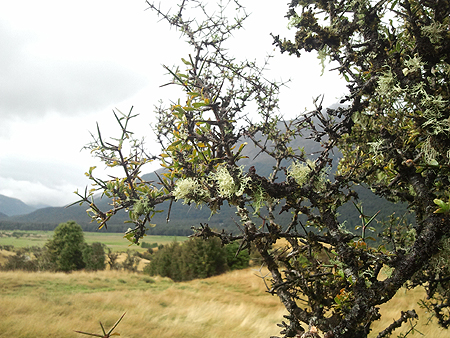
183, 217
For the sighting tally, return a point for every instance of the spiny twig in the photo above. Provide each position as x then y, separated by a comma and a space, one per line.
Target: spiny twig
105, 334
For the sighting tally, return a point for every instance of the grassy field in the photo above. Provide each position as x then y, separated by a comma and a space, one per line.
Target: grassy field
232, 305
53, 305
114, 241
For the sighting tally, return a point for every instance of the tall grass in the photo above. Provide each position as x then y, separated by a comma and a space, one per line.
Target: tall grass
232, 305
53, 305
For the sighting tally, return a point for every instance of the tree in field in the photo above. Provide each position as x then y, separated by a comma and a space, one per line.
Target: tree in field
94, 256
392, 132
64, 252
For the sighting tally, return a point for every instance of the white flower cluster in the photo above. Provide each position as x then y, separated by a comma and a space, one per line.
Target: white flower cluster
227, 187
190, 190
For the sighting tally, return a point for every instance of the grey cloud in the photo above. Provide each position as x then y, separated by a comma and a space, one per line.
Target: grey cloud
35, 85
47, 172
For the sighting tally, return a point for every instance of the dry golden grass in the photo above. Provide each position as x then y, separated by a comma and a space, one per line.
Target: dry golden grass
232, 305
4, 256
53, 305
407, 300
122, 256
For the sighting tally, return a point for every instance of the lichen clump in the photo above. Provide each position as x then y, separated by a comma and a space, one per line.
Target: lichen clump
228, 186
300, 171
191, 190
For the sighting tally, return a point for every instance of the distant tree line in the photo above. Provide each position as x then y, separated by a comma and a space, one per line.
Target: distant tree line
180, 226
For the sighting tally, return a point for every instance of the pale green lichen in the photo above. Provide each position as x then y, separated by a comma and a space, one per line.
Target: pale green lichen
228, 186
433, 108
430, 153
322, 55
434, 31
190, 190
259, 198
300, 171
387, 84
142, 207
294, 21
412, 65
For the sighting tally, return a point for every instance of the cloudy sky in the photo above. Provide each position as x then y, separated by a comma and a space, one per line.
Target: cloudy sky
64, 65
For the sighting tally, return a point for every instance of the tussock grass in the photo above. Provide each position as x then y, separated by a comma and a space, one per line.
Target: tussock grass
232, 305
407, 300
53, 305
4, 256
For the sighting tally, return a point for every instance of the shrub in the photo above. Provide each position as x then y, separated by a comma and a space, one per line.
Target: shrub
239, 261
20, 261
94, 256
149, 245
131, 262
196, 258
112, 260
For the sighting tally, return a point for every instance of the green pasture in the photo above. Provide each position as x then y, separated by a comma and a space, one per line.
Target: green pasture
114, 241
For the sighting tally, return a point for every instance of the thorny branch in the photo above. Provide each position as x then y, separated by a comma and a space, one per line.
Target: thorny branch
391, 136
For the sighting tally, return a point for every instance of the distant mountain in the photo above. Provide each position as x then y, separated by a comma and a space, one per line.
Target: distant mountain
13, 206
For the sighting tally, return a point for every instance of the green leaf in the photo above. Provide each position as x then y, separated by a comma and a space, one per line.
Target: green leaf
433, 163
198, 104
186, 62
179, 110
174, 144
444, 207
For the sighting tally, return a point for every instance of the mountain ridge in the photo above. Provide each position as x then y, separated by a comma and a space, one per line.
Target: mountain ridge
11, 206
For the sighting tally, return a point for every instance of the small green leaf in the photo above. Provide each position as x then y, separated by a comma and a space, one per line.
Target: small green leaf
174, 144
198, 104
444, 207
433, 163
186, 62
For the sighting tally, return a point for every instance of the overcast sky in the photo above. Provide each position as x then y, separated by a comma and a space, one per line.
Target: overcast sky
64, 65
